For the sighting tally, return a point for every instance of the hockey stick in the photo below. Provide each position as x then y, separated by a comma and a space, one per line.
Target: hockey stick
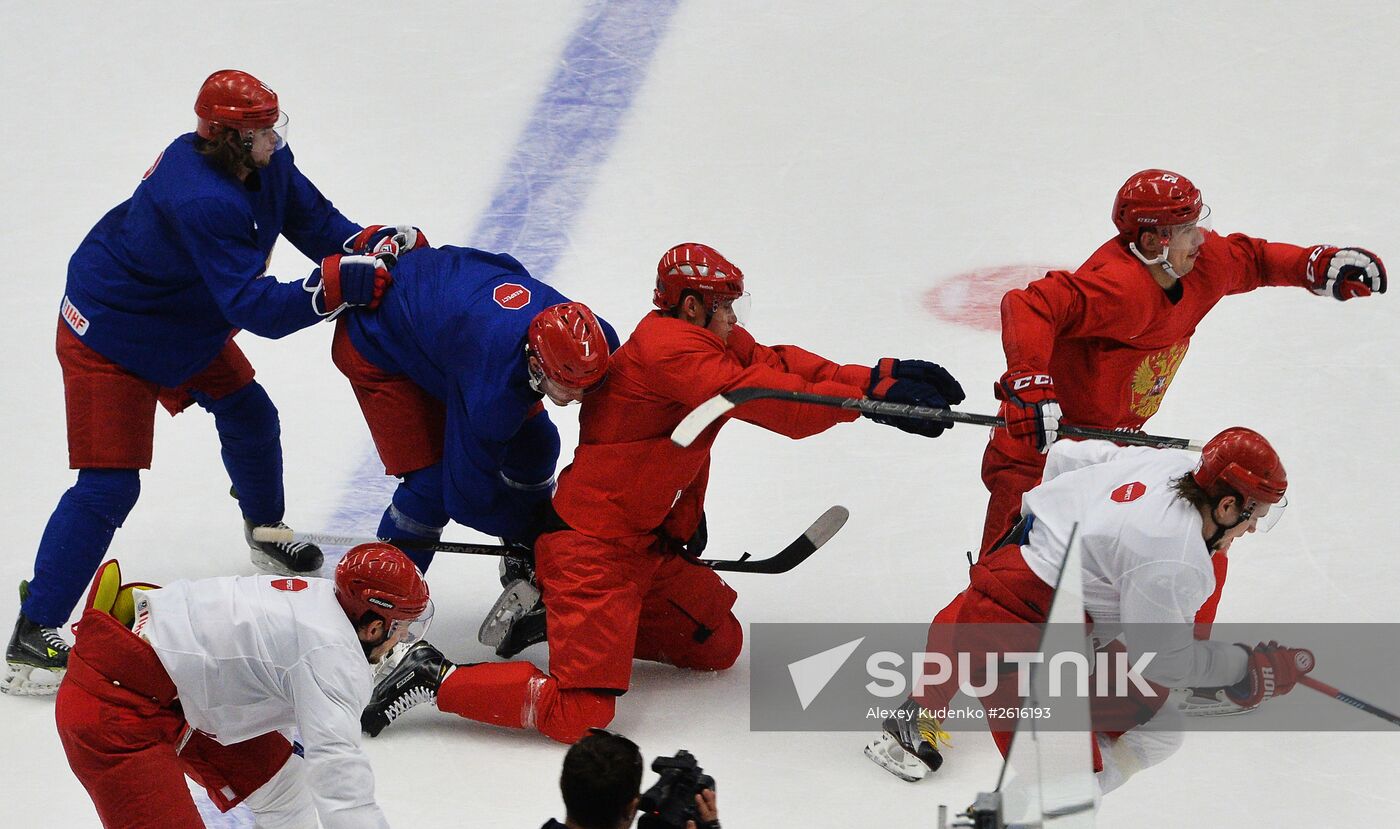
1324, 688
716, 407
784, 560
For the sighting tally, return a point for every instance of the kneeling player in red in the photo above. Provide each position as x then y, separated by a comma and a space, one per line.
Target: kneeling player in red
198, 679
1149, 521
614, 583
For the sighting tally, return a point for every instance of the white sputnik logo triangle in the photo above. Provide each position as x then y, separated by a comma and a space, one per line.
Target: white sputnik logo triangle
811, 674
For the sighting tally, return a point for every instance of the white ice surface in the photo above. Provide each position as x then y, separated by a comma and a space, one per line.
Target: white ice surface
849, 156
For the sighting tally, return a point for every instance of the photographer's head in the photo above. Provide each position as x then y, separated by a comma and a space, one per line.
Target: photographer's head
601, 781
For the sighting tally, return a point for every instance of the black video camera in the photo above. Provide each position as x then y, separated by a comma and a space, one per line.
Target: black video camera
670, 802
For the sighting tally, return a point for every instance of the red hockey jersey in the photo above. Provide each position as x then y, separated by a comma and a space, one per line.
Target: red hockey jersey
1112, 338
627, 477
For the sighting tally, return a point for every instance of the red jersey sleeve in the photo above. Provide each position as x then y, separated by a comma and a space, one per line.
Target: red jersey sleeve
1255, 263
694, 369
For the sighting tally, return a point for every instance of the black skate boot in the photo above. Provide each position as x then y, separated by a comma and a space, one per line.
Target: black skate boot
414, 681
36, 658
909, 746
516, 621
289, 558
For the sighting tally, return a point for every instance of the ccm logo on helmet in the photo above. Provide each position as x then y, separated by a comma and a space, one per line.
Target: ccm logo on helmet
290, 585
511, 296
1129, 492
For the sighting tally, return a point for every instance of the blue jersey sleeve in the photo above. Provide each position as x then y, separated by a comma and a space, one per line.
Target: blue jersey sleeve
313, 224
232, 267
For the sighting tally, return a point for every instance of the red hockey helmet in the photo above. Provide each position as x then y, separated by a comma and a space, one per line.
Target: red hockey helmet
230, 99
1241, 460
1152, 199
378, 577
570, 345
695, 267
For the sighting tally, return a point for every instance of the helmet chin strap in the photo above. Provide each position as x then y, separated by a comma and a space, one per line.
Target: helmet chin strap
1220, 529
1160, 260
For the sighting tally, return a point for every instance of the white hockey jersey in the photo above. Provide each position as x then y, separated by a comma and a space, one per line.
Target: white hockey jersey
250, 655
1144, 559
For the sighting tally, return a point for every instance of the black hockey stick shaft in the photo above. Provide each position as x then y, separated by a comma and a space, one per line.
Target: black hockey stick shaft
1342, 696
716, 407
789, 557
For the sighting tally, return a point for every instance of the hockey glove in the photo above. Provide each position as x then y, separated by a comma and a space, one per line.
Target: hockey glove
1032, 410
921, 371
1272, 671
349, 282
1343, 273
395, 240
913, 393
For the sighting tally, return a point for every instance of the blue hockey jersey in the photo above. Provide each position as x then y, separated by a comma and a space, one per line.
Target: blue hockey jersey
164, 278
455, 322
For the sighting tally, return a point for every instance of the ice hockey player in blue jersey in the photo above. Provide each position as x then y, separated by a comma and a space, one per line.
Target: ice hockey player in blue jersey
451, 373
153, 297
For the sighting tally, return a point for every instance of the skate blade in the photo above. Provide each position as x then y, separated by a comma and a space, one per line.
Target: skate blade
390, 661
30, 680
515, 601
886, 752
1212, 708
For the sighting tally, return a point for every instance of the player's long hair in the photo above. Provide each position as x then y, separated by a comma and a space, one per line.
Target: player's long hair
1193, 493
226, 152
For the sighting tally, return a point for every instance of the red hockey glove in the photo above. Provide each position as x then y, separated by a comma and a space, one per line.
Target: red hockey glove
394, 240
349, 281
1033, 413
1272, 671
1344, 273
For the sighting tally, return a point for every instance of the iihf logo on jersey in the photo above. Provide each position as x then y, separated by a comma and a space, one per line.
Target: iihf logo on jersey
74, 318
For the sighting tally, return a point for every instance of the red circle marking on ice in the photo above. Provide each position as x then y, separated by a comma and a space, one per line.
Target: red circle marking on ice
511, 296
290, 585
1129, 492
974, 298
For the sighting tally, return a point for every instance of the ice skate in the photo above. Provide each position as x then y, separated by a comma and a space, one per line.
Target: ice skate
1211, 702
36, 659
516, 621
295, 558
411, 683
909, 747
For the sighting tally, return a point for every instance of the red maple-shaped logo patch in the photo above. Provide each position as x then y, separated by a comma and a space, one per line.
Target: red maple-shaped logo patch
1128, 492
290, 585
511, 296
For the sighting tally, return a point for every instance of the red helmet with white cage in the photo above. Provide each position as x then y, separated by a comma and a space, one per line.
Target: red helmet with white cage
692, 266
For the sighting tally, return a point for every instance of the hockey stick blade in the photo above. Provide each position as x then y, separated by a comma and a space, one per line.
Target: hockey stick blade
704, 415
789, 557
821, 531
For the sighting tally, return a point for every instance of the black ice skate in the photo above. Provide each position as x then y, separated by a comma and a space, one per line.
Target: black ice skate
909, 746
516, 621
36, 658
295, 558
414, 681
